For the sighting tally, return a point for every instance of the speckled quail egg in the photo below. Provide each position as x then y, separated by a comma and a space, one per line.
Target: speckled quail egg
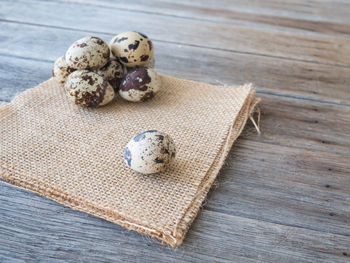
61, 70
88, 53
140, 84
113, 71
87, 88
150, 152
150, 64
132, 48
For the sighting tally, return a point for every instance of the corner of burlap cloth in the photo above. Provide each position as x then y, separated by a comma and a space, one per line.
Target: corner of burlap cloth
74, 155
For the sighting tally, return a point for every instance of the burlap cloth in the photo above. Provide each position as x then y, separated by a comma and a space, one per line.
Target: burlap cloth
74, 155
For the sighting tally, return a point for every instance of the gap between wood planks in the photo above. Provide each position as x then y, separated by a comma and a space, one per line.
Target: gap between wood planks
224, 14
205, 207
246, 39
227, 232
181, 43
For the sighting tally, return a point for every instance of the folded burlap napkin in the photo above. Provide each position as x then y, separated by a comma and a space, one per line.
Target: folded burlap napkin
74, 155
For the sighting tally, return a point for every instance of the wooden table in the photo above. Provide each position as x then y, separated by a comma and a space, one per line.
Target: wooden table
283, 196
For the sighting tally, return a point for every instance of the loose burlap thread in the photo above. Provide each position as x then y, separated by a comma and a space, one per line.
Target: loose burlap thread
74, 155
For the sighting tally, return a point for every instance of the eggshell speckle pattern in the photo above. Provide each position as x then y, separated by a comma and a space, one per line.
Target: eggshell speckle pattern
150, 64
150, 152
88, 53
86, 88
140, 84
61, 71
132, 48
113, 71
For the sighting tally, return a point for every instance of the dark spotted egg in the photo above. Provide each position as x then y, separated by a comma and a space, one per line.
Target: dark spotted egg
88, 53
132, 48
150, 152
139, 84
61, 70
113, 71
87, 88
151, 64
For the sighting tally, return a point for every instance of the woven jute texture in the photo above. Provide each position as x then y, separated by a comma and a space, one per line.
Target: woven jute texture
74, 155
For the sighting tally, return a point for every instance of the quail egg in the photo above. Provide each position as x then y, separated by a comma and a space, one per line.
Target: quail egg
132, 48
61, 70
88, 89
151, 64
88, 53
150, 152
140, 84
113, 71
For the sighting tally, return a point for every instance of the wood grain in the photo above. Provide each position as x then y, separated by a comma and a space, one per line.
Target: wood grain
301, 79
234, 38
303, 124
311, 16
284, 185
39, 230
19, 74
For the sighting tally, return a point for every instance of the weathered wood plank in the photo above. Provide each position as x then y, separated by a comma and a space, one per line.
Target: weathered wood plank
279, 76
284, 185
39, 229
303, 124
314, 16
318, 10
223, 36
19, 74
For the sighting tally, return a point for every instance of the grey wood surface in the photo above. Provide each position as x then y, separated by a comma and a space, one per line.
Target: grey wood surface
282, 196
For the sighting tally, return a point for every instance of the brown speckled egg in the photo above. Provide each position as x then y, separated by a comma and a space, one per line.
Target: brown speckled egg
61, 71
86, 88
150, 152
132, 48
113, 71
150, 64
139, 84
88, 53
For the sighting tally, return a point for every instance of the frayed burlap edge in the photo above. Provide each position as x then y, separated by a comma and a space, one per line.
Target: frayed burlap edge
173, 237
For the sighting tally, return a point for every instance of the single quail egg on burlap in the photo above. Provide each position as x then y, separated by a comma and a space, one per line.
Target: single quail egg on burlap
61, 70
88, 53
140, 84
150, 152
87, 88
113, 71
132, 48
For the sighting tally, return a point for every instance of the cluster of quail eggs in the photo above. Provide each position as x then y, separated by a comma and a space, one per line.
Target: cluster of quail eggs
93, 72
